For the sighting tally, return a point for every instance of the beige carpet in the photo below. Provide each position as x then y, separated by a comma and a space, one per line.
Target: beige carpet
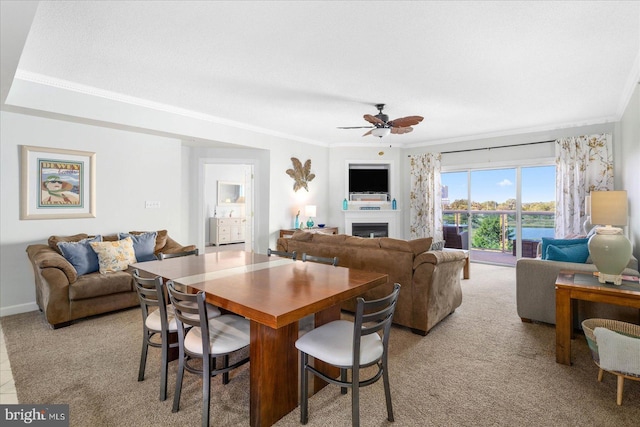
480, 367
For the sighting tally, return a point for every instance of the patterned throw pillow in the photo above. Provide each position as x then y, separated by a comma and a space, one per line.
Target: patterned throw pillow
114, 256
80, 255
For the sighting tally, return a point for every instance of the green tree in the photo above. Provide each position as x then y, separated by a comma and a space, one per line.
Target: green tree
488, 234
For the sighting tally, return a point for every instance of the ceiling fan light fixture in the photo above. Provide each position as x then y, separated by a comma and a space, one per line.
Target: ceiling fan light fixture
380, 132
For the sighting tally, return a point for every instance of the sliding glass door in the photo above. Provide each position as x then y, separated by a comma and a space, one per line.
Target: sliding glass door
501, 213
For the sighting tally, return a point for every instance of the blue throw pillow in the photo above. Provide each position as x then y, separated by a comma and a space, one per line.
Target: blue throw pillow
143, 245
570, 253
81, 255
546, 241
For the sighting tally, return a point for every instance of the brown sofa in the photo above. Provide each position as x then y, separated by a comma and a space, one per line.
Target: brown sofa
64, 296
430, 279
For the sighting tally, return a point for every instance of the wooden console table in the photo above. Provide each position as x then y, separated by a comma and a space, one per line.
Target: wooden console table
287, 233
572, 285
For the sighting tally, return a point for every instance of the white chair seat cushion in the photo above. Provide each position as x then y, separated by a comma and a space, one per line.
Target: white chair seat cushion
333, 343
154, 324
618, 352
227, 333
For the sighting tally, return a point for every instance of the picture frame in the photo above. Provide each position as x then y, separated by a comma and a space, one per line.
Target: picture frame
56, 183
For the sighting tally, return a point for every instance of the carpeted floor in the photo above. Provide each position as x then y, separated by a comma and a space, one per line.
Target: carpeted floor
479, 367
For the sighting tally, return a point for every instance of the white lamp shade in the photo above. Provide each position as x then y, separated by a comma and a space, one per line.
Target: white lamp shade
380, 132
609, 207
310, 210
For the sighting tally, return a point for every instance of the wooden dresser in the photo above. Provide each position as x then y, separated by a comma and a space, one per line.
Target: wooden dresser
226, 230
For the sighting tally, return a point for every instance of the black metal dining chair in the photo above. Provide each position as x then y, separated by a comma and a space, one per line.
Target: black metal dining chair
293, 255
158, 320
324, 260
205, 339
351, 346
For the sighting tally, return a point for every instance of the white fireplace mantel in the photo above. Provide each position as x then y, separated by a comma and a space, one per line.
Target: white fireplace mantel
357, 216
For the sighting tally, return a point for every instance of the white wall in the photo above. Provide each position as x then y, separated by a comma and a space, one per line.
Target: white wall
131, 168
630, 177
285, 202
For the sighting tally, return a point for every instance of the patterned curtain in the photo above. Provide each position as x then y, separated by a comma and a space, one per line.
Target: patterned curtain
583, 164
425, 207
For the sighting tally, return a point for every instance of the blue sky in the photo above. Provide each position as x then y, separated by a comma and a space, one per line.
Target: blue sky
538, 184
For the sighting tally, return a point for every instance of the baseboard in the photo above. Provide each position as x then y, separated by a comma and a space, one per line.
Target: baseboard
17, 309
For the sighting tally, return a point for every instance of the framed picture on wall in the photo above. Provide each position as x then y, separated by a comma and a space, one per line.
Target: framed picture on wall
57, 183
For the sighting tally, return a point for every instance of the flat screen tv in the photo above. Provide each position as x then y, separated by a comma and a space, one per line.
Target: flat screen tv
368, 180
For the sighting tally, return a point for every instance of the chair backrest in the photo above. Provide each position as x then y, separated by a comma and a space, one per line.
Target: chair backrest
151, 293
324, 260
291, 255
162, 255
619, 350
373, 316
190, 310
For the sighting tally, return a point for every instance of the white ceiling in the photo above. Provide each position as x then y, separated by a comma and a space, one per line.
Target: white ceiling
301, 69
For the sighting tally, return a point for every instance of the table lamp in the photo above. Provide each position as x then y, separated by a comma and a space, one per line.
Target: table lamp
609, 248
310, 212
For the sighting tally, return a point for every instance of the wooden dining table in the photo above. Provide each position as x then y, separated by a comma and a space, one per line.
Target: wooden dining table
274, 294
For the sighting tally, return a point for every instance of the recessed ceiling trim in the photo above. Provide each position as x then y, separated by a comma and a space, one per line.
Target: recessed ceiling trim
37, 78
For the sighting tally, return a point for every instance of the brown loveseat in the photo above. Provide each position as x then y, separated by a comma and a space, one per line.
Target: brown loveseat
63, 295
430, 279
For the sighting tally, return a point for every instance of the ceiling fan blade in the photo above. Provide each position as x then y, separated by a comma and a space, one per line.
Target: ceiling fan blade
373, 119
406, 121
355, 127
368, 133
400, 131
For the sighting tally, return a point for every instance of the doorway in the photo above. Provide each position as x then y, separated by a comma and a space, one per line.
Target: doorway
217, 206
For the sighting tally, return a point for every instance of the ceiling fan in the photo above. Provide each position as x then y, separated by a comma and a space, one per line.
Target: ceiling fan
382, 126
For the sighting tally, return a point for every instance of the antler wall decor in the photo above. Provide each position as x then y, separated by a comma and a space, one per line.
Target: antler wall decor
300, 174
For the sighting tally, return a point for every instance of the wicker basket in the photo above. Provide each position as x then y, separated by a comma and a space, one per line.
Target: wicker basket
589, 325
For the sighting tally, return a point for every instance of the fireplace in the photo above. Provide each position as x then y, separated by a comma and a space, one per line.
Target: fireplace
366, 229
376, 218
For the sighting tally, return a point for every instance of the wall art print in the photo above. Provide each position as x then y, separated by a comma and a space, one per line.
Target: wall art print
57, 183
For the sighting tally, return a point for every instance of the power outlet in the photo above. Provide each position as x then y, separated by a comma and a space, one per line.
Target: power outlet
152, 204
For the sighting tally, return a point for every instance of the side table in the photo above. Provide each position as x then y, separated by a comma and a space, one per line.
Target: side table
572, 285
287, 233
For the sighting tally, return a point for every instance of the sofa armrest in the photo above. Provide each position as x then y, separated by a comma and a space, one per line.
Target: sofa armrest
437, 257
53, 274
42, 257
172, 247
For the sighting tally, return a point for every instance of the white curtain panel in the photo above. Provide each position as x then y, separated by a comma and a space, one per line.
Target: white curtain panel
583, 164
425, 198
